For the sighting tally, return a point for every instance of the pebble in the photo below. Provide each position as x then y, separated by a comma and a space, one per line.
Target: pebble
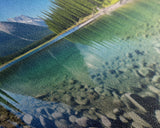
111, 116
57, 115
155, 90
93, 96
98, 90
72, 118
156, 79
137, 125
139, 120
116, 111
61, 123
143, 72
27, 119
134, 102
104, 120
68, 99
157, 114
123, 119
82, 101
82, 121
115, 95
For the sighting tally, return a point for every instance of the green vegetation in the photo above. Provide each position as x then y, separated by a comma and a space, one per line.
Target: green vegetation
66, 13
2, 100
63, 15
25, 49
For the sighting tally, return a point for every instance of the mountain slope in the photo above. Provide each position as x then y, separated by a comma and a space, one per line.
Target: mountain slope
14, 36
28, 20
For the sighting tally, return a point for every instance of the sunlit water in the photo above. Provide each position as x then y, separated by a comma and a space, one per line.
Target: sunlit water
99, 66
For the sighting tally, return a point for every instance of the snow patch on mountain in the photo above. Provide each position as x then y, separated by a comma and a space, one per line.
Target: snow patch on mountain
28, 20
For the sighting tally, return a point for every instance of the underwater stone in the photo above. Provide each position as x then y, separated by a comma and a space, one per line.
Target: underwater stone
61, 123
156, 79
155, 90
57, 115
136, 125
27, 119
82, 101
157, 114
68, 99
116, 111
104, 120
123, 119
143, 71
72, 118
139, 120
99, 90
82, 121
115, 95
111, 116
93, 96
133, 101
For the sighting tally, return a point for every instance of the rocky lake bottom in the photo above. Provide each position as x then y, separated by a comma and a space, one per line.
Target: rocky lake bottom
127, 94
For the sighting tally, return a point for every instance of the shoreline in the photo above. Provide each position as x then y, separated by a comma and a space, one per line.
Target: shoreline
65, 33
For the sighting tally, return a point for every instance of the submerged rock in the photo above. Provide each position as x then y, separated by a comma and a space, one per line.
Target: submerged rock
138, 120
133, 101
111, 116
82, 101
57, 115
136, 125
99, 90
61, 123
123, 119
155, 90
27, 119
157, 114
82, 121
105, 121
72, 118
156, 79
144, 72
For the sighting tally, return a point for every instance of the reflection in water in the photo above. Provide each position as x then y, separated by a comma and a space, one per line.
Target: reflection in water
40, 114
109, 71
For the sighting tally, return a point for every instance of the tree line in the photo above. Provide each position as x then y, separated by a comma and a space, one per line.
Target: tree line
65, 13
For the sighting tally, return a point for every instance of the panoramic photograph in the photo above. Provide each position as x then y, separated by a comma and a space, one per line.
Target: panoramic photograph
79, 64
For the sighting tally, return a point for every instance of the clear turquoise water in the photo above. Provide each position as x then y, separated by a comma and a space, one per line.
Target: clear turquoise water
113, 56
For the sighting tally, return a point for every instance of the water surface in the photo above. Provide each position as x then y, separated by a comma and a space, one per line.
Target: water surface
111, 64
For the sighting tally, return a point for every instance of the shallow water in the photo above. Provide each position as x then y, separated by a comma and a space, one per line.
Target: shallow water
111, 64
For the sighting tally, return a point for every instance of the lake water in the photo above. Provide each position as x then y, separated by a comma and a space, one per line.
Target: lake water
107, 73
